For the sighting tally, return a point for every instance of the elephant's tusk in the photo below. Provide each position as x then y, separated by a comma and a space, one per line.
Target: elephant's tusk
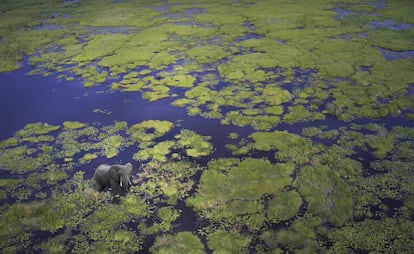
120, 183
129, 182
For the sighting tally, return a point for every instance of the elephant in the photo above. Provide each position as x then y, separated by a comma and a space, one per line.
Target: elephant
115, 177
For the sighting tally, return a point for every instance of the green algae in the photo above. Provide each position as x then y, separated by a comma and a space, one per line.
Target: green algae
233, 135
393, 181
399, 10
168, 214
10, 183
207, 54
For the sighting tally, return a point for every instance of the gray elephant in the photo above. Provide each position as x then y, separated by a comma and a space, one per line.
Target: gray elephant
115, 177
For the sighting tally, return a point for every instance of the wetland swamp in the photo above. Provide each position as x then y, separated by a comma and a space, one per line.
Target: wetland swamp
253, 126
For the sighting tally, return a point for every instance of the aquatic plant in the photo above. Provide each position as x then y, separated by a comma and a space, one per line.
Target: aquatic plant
10, 183
88, 157
36, 129
149, 130
111, 145
167, 181
264, 65
389, 235
134, 206
289, 146
194, 144
222, 241
182, 242
298, 237
167, 215
73, 125
229, 195
22, 159
158, 152
283, 206
325, 193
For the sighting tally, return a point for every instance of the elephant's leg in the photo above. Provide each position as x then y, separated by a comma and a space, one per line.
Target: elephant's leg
99, 186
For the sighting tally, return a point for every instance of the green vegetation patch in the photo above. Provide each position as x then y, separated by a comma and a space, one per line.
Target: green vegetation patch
73, 125
289, 146
193, 144
234, 193
182, 242
167, 181
326, 194
149, 130
284, 206
222, 241
32, 129
389, 235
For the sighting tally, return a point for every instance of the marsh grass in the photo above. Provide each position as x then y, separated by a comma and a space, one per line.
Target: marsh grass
227, 242
182, 242
222, 195
304, 61
283, 206
326, 194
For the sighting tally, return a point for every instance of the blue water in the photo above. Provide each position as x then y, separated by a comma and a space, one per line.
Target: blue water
34, 98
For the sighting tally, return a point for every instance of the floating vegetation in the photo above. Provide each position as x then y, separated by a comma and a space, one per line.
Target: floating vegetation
392, 235
226, 242
326, 194
168, 181
183, 242
189, 141
344, 187
154, 54
149, 130
289, 146
73, 125
49, 161
232, 194
167, 215
284, 206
